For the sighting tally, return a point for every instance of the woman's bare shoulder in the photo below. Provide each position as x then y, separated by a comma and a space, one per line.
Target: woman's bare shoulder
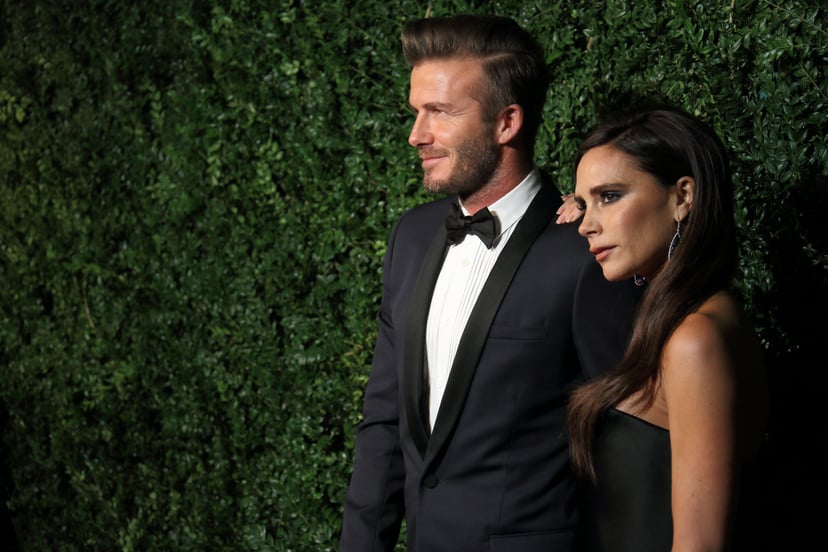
716, 336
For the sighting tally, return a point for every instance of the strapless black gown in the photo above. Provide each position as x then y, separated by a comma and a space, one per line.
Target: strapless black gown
628, 510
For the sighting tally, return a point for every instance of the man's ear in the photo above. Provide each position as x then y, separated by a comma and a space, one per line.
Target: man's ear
509, 123
685, 189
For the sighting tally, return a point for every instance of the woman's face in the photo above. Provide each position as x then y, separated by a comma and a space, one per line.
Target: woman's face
629, 217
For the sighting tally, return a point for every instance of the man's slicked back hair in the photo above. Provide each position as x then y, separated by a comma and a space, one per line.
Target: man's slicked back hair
513, 62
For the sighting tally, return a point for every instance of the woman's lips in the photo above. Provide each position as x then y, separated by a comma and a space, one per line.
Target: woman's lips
600, 253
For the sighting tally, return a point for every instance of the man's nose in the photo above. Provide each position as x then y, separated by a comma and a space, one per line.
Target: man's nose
419, 132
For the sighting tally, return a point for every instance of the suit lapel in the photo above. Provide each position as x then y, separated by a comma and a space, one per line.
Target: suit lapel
537, 217
414, 373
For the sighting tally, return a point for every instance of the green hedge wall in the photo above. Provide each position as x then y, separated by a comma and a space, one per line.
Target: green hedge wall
194, 202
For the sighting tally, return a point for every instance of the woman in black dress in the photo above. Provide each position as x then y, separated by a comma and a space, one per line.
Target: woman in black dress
666, 440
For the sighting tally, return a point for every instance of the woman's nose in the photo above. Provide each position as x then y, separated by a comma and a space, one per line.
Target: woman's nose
587, 226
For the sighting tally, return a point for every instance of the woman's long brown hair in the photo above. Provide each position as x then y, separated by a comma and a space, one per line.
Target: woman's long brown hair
669, 144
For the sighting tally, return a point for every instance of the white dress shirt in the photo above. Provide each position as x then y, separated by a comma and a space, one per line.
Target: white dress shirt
465, 270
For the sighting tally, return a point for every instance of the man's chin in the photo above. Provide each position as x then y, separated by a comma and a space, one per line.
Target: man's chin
436, 186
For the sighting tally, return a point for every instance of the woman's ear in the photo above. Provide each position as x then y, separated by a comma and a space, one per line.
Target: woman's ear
685, 189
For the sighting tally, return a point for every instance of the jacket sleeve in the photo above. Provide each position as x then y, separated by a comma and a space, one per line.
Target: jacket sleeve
373, 506
602, 319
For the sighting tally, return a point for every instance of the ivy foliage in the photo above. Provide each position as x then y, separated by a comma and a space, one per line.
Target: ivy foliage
194, 202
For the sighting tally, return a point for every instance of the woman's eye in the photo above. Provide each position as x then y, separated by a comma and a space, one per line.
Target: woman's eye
609, 197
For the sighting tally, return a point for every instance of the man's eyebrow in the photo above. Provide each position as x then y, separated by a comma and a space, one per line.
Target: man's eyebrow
432, 106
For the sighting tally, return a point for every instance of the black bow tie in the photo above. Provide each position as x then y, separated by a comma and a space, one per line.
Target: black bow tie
484, 224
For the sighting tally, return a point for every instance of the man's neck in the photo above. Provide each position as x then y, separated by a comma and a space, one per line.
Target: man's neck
504, 180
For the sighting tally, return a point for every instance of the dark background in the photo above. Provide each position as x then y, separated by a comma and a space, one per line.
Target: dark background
194, 202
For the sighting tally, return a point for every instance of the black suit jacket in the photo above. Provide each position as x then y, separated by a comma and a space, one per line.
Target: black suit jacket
494, 474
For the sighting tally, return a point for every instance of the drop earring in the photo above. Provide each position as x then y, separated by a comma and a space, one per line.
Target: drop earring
675, 241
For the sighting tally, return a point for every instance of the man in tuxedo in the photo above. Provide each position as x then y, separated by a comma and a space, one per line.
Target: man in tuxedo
490, 314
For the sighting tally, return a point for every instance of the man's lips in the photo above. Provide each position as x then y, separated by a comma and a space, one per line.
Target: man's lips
431, 159
600, 253
431, 156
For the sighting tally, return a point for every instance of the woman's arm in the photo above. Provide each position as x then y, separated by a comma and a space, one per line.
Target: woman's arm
700, 390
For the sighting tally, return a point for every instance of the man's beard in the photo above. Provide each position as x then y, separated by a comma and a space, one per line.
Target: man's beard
475, 162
